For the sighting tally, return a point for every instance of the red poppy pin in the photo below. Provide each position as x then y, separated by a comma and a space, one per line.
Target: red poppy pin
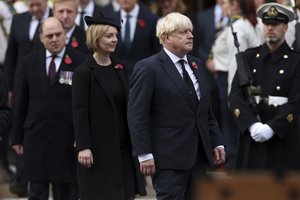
68, 60
119, 66
74, 42
194, 65
141, 23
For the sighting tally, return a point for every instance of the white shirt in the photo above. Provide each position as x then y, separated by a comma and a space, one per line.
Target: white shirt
132, 20
248, 37
192, 76
7, 18
69, 34
88, 11
57, 60
34, 23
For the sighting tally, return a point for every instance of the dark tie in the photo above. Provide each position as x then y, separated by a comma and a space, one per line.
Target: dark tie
189, 83
36, 33
127, 33
52, 69
81, 23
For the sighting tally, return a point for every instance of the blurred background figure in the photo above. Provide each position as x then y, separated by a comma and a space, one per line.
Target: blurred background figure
66, 12
218, 64
137, 38
249, 31
100, 92
5, 23
211, 22
23, 39
90, 8
163, 7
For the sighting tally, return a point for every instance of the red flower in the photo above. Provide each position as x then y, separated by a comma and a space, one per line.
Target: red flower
119, 66
141, 23
74, 42
68, 60
194, 65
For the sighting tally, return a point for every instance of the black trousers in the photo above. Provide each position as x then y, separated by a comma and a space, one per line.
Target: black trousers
61, 191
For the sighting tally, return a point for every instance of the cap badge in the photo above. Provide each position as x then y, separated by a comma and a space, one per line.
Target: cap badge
272, 12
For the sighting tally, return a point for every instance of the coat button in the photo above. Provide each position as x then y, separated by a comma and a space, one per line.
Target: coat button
285, 56
281, 71
278, 88
254, 71
257, 55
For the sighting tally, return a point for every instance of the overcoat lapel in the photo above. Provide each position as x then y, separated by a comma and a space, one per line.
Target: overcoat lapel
173, 73
42, 68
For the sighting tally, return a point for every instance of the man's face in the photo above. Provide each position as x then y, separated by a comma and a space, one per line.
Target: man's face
53, 36
127, 5
180, 41
37, 8
66, 12
275, 33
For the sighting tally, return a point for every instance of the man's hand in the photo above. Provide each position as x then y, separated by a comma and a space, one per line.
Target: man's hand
85, 158
147, 167
18, 149
263, 133
219, 155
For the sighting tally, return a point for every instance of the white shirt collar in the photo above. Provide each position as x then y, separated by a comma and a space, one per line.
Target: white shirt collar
60, 54
89, 9
69, 34
134, 13
175, 58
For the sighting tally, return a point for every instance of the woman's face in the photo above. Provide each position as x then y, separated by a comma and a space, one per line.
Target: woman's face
107, 43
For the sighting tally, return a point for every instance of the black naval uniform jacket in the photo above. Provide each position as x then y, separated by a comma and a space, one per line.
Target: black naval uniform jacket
278, 74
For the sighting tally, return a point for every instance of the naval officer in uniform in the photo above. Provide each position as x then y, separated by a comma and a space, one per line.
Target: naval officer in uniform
271, 143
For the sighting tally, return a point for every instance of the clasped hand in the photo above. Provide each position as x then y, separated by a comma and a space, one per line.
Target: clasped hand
261, 132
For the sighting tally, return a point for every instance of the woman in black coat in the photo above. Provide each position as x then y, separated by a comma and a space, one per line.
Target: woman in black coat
100, 93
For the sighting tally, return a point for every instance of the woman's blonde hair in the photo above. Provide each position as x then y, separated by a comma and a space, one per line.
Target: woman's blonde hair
93, 33
171, 23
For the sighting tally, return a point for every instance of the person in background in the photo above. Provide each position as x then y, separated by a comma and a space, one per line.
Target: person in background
270, 142
211, 22
218, 64
163, 7
89, 8
173, 130
249, 29
23, 39
66, 12
137, 36
42, 131
100, 92
5, 23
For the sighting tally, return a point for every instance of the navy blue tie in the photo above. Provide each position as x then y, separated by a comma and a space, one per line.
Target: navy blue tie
127, 33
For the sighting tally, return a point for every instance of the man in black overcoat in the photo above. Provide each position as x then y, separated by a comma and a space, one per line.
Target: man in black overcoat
42, 127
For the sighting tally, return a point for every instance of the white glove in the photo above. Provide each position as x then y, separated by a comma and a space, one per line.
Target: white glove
263, 133
253, 130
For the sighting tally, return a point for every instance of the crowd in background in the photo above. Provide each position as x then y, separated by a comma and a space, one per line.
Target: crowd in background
20, 35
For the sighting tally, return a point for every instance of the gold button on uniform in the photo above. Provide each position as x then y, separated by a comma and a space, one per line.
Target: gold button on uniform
290, 117
254, 70
237, 112
281, 71
278, 88
257, 55
285, 56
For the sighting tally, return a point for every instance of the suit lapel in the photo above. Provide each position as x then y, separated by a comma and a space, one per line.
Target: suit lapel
173, 73
122, 75
42, 69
